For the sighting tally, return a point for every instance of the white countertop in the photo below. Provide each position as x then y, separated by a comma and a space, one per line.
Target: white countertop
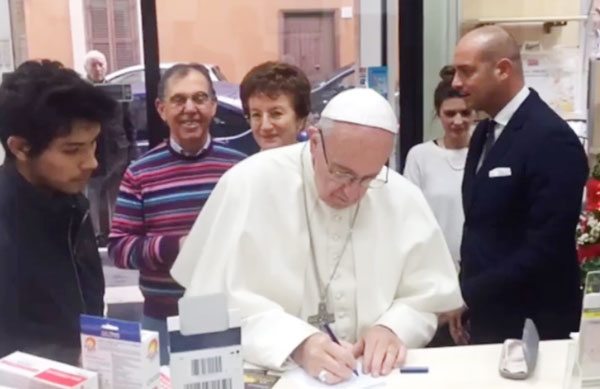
476, 367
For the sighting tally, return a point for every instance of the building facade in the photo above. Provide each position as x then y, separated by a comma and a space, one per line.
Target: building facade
318, 35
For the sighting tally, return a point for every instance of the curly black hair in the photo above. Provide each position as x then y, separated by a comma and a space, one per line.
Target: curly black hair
273, 78
40, 100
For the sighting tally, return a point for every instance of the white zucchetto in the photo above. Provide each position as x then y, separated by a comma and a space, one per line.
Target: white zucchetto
362, 106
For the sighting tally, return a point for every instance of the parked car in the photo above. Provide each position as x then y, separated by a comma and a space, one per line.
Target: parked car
339, 81
135, 74
342, 79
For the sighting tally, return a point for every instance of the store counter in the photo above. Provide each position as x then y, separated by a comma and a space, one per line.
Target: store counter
475, 367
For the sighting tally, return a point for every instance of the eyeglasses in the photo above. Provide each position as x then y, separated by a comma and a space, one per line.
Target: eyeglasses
345, 178
198, 99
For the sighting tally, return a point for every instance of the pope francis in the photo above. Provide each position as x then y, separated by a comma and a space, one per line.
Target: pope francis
330, 256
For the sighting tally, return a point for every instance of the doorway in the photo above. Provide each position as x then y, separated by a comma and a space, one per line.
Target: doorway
309, 42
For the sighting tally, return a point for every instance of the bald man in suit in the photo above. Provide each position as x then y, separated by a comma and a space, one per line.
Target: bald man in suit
522, 193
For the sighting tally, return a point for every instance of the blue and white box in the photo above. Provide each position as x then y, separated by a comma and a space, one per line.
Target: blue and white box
205, 344
123, 355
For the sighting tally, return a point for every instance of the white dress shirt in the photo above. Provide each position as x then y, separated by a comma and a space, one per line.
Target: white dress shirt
439, 172
179, 150
503, 117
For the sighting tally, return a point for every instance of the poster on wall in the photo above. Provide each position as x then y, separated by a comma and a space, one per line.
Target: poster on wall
377, 78
557, 76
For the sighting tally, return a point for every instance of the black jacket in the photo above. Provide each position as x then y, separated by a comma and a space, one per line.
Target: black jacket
50, 270
521, 207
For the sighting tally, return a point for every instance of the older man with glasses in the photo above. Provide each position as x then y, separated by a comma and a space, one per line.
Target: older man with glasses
163, 191
320, 239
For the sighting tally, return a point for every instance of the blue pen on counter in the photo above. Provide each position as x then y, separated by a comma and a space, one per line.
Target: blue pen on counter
335, 340
414, 369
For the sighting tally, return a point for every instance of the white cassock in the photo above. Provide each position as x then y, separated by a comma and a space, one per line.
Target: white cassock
251, 241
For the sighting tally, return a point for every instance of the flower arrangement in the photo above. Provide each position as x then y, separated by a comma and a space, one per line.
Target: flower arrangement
588, 228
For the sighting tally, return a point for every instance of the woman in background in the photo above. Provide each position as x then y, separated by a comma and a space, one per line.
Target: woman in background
437, 166
276, 100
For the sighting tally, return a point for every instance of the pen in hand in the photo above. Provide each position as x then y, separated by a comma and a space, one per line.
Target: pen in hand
335, 340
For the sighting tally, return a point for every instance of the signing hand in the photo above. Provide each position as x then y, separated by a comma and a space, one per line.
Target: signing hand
320, 357
381, 349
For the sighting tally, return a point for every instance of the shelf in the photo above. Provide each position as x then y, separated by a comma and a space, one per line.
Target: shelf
548, 22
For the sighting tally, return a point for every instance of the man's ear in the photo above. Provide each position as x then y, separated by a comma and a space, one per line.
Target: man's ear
504, 68
19, 147
160, 108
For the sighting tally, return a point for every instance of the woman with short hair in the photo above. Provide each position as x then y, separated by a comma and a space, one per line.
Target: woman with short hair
276, 101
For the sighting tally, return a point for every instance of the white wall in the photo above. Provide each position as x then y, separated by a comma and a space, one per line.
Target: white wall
393, 63
77, 16
6, 55
440, 32
370, 33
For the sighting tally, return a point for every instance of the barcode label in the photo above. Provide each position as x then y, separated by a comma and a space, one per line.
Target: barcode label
217, 384
207, 366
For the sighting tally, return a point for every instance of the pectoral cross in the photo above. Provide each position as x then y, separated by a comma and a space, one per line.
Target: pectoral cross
322, 317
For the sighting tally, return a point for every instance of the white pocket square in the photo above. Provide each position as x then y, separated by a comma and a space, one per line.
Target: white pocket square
500, 172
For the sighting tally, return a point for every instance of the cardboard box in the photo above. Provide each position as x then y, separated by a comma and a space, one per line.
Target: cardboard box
123, 355
205, 344
165, 378
21, 370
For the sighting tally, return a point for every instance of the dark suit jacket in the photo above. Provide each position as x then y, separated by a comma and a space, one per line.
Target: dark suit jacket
518, 247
